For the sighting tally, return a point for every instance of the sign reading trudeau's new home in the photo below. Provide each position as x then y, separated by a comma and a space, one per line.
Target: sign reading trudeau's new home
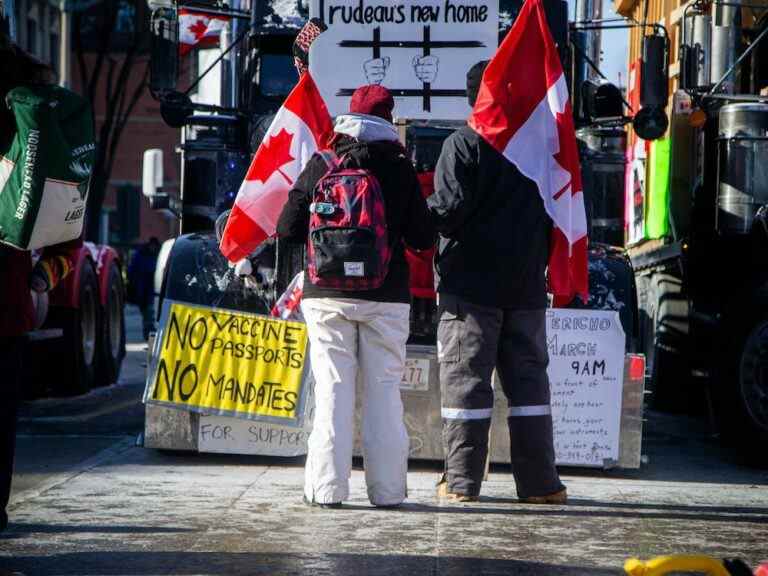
420, 50
231, 363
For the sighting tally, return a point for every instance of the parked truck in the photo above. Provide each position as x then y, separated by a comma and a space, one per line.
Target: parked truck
79, 337
80, 327
698, 220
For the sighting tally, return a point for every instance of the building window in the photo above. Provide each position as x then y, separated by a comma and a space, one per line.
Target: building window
54, 38
34, 27
125, 225
32, 36
130, 21
54, 52
16, 21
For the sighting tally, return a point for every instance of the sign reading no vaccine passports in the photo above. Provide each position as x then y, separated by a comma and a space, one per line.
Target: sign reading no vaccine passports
229, 363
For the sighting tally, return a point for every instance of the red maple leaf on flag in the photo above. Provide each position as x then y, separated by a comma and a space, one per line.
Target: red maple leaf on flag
273, 154
199, 28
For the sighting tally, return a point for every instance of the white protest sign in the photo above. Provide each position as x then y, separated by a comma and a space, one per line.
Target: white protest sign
586, 370
237, 436
420, 50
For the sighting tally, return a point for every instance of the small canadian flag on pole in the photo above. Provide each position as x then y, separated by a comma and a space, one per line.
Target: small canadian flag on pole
288, 306
198, 29
523, 111
300, 128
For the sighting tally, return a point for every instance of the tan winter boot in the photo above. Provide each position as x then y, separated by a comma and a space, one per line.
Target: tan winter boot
443, 494
556, 498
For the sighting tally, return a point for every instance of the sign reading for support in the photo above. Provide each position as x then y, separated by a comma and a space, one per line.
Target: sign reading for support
586, 368
230, 363
420, 50
237, 436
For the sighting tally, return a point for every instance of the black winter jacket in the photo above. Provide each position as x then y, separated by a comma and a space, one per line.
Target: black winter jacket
408, 220
494, 231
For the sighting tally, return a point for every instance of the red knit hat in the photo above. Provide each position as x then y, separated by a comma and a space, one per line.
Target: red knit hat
374, 100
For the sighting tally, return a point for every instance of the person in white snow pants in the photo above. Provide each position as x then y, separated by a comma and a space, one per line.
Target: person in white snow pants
359, 335
351, 339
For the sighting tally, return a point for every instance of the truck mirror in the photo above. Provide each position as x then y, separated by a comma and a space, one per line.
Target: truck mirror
175, 108
164, 59
152, 172
601, 101
650, 123
654, 77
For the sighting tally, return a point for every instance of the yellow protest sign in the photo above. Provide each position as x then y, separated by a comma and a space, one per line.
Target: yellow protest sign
228, 362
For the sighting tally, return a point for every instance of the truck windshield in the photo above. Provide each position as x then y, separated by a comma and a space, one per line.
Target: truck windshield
277, 76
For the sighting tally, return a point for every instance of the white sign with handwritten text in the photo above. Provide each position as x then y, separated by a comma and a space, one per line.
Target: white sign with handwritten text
420, 50
237, 436
586, 369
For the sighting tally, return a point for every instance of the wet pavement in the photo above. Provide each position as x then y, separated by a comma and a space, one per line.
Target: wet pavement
88, 501
136, 511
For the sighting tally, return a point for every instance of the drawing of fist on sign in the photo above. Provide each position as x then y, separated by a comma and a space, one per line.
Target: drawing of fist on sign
425, 68
376, 69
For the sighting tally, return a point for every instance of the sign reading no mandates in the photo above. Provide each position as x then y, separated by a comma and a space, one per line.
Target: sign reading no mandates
229, 363
420, 50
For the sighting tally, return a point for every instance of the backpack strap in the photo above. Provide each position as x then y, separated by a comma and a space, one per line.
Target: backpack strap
330, 159
343, 160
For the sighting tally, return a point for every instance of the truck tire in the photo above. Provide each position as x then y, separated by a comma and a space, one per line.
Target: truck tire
743, 392
112, 341
666, 334
74, 371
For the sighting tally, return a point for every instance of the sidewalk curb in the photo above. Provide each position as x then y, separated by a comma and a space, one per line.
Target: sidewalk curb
84, 417
116, 449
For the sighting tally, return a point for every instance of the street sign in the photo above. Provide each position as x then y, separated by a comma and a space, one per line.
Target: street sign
420, 51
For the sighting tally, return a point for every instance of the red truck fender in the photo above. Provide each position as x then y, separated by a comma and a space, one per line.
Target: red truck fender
66, 294
101, 258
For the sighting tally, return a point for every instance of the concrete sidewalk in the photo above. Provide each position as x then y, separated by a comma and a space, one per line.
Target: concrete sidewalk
88, 502
135, 511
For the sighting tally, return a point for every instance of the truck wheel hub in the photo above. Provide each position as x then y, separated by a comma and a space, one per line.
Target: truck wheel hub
754, 375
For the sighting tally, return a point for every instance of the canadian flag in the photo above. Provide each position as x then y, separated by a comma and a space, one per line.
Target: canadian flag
523, 111
197, 29
300, 128
288, 306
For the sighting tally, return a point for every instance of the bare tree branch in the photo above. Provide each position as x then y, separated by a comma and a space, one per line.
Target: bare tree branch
124, 117
108, 92
128, 63
81, 61
108, 21
105, 76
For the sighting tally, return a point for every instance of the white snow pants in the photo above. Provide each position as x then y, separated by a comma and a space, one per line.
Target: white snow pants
351, 339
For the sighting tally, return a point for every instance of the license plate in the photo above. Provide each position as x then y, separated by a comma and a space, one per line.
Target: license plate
416, 374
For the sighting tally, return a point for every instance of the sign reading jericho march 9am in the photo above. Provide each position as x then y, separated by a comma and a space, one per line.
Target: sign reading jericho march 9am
231, 363
586, 366
420, 50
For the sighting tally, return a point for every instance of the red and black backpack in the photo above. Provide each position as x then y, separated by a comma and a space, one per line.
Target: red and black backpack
348, 245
